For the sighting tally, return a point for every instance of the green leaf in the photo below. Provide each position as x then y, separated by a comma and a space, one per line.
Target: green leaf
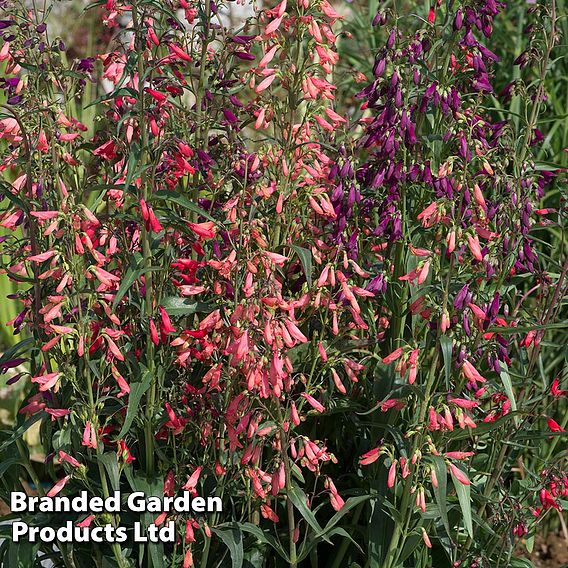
151, 488
464, 497
111, 465
440, 492
176, 306
136, 392
132, 274
300, 501
349, 504
21, 430
447, 344
305, 257
232, 536
16, 349
265, 538
410, 545
174, 197
6, 464
508, 385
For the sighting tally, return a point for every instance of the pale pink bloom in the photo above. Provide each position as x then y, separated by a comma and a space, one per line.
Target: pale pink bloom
191, 290
426, 538
46, 382
5, 51
328, 10
62, 329
478, 196
428, 215
86, 522
477, 311
123, 385
58, 486
273, 26
105, 277
434, 478
277, 259
89, 436
423, 274
281, 8
57, 412
268, 56
474, 247
464, 402
114, 349
340, 386
445, 322
459, 475
313, 402
451, 241
471, 372
295, 331
323, 123
64, 456
294, 414
44, 215
459, 455
265, 83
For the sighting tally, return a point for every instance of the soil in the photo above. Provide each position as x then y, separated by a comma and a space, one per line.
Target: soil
550, 551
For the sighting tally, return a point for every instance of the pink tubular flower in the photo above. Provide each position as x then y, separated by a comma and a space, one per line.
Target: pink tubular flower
464, 402
89, 436
393, 356
65, 457
265, 83
192, 481
459, 475
313, 402
459, 455
294, 414
370, 457
392, 474
86, 522
58, 486
426, 538
46, 382
273, 26
339, 385
474, 247
471, 372
123, 385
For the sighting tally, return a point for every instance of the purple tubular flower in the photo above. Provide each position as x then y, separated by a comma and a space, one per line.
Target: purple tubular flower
235, 101
11, 364
243, 39
14, 379
461, 298
377, 284
458, 20
230, 116
247, 56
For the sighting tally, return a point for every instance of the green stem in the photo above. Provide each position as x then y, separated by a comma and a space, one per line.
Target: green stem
288, 475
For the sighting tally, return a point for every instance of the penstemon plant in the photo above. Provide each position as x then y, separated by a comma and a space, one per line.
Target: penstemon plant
335, 304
